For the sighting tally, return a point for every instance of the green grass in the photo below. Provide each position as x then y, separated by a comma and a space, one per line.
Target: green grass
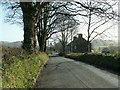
109, 61
24, 71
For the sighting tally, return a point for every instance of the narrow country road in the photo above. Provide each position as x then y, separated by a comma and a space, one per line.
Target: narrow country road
66, 73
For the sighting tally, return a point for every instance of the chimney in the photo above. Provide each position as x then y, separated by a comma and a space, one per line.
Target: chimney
79, 35
75, 38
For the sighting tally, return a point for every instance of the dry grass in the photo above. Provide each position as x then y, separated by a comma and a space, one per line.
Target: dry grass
7, 53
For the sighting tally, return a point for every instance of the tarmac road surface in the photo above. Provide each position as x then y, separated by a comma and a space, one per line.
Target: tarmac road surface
62, 72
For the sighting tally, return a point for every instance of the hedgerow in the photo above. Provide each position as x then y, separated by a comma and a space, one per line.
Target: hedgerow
109, 61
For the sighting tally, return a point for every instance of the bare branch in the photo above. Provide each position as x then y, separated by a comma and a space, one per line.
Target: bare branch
101, 32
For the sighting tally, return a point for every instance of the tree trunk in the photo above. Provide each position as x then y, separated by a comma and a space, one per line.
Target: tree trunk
45, 48
88, 31
88, 47
35, 39
29, 26
42, 33
41, 41
63, 48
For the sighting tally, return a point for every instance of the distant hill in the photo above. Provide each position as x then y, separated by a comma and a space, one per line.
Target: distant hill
98, 43
11, 44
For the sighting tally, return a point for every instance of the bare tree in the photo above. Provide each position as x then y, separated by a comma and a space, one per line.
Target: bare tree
102, 21
102, 10
29, 12
43, 18
38, 17
50, 22
65, 34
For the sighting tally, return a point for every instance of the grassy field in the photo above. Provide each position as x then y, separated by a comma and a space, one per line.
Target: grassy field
108, 61
19, 69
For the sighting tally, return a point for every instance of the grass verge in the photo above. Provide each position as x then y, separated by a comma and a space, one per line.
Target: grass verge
24, 71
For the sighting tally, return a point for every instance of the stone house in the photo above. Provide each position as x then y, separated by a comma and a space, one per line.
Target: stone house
78, 45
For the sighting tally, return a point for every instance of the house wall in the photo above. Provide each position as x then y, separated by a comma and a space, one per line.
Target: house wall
79, 45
